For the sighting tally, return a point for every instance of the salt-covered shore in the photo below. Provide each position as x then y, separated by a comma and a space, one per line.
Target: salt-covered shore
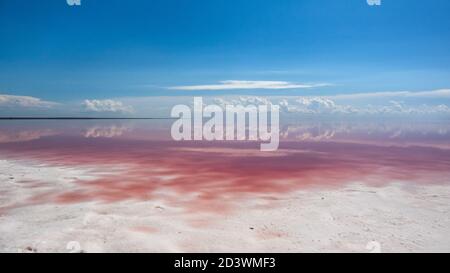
353, 218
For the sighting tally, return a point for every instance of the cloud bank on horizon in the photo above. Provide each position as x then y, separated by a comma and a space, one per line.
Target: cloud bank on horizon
107, 106
14, 102
434, 103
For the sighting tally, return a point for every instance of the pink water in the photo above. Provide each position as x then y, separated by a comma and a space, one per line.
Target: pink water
138, 161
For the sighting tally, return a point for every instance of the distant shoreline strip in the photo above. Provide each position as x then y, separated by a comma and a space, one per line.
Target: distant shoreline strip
75, 118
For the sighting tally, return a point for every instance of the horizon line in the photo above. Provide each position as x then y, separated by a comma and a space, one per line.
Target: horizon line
75, 118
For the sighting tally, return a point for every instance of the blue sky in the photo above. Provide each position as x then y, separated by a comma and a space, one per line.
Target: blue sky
116, 49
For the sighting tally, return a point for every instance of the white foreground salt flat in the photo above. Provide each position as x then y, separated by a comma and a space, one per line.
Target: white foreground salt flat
352, 218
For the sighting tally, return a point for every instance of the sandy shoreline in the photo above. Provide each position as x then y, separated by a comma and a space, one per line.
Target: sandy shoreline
352, 218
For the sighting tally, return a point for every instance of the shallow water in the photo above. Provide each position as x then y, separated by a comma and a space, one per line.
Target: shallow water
136, 160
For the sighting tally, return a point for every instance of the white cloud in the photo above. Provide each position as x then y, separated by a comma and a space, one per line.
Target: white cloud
327, 105
111, 106
229, 85
440, 93
305, 105
314, 105
12, 101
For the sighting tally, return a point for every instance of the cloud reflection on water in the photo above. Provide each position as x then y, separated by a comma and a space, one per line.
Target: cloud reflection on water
213, 176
